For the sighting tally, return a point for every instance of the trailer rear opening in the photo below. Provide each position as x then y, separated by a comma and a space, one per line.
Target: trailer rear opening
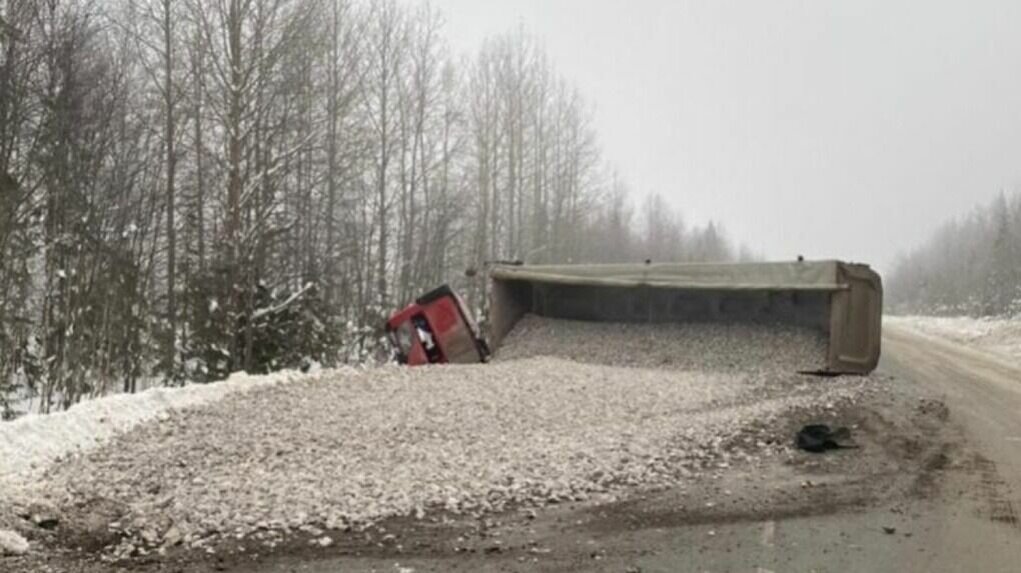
841, 301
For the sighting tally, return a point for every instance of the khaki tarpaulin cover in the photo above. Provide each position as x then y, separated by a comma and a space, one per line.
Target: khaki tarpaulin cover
737, 276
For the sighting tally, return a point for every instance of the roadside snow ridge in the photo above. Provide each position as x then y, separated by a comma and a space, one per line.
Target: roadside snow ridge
30, 444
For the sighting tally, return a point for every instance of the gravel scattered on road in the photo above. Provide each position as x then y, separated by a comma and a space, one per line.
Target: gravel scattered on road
347, 449
30, 444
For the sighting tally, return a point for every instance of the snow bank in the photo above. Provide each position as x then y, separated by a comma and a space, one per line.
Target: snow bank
997, 335
30, 444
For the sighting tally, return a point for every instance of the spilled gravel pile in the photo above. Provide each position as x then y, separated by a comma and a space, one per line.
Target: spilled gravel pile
347, 449
29, 444
701, 347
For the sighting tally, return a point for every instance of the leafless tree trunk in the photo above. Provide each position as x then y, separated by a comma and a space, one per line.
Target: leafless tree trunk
170, 103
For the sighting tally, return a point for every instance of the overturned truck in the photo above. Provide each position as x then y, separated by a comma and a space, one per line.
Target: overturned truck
842, 301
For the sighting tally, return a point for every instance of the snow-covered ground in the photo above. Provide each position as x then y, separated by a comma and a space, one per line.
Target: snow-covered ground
1001, 336
25, 402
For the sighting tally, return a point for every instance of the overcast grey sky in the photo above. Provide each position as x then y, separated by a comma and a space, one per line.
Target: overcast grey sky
830, 128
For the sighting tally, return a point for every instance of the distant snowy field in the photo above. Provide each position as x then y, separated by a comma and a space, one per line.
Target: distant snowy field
998, 335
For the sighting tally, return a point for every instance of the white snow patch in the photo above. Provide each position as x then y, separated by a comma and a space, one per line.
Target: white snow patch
259, 313
30, 444
996, 335
12, 543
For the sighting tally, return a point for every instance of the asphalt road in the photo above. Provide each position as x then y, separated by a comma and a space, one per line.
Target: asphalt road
972, 524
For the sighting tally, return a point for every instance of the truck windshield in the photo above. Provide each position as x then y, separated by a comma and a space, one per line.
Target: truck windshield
401, 339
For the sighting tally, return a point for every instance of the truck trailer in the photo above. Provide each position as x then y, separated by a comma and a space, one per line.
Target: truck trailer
843, 302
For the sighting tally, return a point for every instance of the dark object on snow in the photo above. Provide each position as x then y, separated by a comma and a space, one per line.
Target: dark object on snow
42, 516
48, 522
819, 438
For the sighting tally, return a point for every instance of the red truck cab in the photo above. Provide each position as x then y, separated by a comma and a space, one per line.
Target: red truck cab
436, 329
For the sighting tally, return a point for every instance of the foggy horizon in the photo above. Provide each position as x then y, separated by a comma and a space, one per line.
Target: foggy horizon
831, 130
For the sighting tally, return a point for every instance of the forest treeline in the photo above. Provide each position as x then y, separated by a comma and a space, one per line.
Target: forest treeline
190, 188
971, 266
